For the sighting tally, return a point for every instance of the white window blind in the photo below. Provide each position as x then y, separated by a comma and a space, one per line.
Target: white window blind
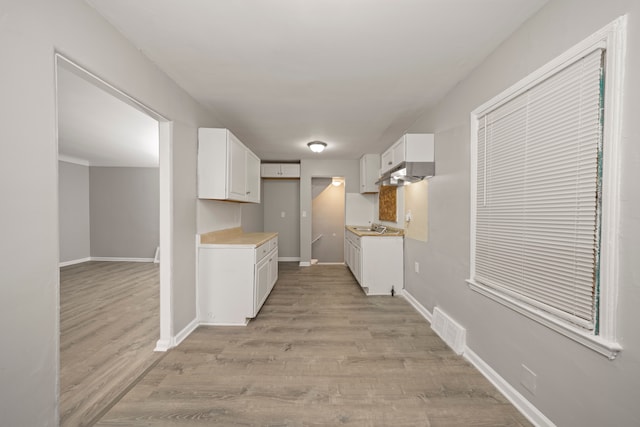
537, 223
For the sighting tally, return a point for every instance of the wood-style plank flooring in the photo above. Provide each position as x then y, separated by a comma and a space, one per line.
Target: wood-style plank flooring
109, 325
320, 353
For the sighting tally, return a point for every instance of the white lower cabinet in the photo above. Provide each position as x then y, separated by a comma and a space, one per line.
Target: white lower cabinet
376, 262
234, 282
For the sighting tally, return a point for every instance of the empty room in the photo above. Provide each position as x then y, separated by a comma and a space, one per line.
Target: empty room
356, 212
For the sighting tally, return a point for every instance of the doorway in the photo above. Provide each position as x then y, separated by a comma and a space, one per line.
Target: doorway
327, 220
141, 180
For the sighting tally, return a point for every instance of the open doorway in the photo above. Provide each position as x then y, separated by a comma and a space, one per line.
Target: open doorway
327, 224
114, 201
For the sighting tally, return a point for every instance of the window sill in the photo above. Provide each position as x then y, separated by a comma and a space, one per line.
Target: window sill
607, 348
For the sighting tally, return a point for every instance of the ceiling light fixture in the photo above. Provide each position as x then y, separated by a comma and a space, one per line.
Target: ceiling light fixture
317, 146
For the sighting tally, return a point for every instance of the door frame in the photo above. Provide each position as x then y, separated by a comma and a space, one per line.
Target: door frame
165, 339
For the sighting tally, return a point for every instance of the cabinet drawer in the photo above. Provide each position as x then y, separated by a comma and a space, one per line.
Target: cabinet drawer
262, 251
273, 243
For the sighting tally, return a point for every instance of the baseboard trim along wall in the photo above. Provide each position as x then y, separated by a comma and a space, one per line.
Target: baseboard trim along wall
185, 332
518, 400
288, 258
419, 307
74, 261
102, 258
523, 405
106, 258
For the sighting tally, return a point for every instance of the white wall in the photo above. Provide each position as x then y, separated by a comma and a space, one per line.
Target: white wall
575, 385
30, 32
75, 231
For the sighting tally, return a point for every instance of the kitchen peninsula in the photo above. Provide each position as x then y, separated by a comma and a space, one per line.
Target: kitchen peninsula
236, 273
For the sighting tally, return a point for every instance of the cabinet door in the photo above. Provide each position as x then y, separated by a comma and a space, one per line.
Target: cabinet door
386, 160
270, 170
273, 269
237, 169
290, 170
262, 284
253, 178
369, 171
399, 152
357, 264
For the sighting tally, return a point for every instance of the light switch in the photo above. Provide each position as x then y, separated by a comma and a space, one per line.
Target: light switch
304, 214
416, 267
282, 214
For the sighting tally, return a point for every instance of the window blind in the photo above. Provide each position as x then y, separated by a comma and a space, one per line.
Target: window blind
538, 193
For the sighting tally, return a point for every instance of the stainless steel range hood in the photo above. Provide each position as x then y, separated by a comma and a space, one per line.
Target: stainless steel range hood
408, 172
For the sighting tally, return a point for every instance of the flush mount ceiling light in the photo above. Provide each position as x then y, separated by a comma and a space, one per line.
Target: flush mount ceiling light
317, 146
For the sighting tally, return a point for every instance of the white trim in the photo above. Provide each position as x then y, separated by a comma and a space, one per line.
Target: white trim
245, 323
125, 259
416, 304
185, 332
305, 264
594, 342
166, 233
289, 258
518, 400
106, 86
609, 244
166, 189
74, 160
613, 38
74, 261
332, 263
163, 345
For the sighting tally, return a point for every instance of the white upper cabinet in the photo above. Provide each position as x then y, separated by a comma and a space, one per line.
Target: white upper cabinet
411, 147
280, 170
227, 170
369, 169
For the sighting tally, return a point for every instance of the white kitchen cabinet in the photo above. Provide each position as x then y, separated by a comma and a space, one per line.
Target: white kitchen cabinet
234, 281
369, 173
411, 147
280, 170
227, 169
253, 178
376, 262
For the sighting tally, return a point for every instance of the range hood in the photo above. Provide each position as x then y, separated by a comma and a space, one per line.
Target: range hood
407, 172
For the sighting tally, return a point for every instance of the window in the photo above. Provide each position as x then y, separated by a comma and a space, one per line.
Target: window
544, 193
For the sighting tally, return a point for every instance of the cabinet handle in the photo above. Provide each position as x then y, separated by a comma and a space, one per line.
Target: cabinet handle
248, 192
389, 163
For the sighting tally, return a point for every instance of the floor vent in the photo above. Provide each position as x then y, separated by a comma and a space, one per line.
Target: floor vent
449, 330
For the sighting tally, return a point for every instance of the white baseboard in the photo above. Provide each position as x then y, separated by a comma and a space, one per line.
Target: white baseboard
519, 401
162, 345
416, 304
185, 332
330, 263
107, 258
74, 261
305, 264
288, 258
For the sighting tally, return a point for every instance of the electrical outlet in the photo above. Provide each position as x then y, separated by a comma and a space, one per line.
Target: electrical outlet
528, 379
304, 214
282, 214
416, 267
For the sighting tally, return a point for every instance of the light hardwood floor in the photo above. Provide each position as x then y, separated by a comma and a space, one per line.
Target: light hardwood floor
319, 353
108, 329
